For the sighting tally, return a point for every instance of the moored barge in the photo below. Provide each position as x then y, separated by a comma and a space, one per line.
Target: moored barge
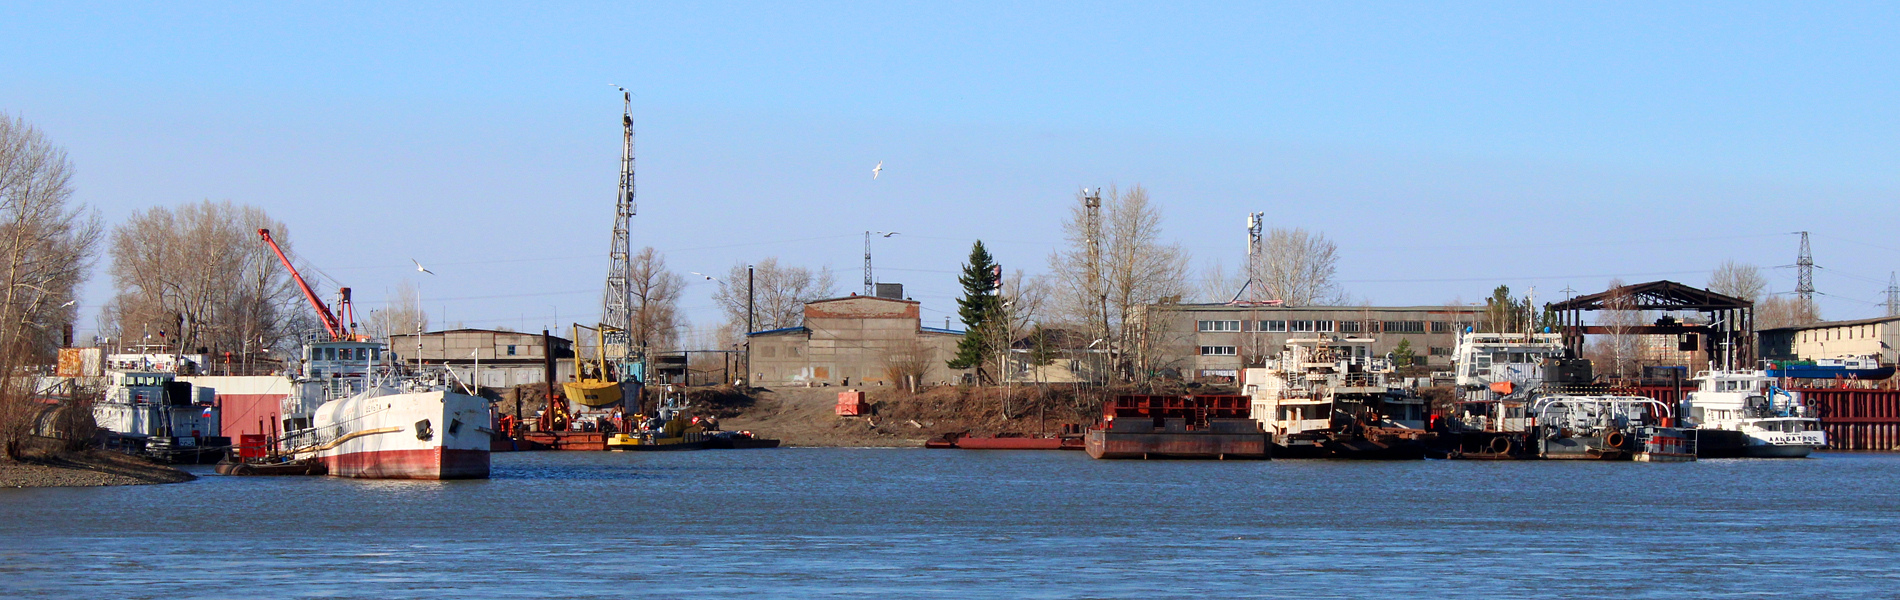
1188, 426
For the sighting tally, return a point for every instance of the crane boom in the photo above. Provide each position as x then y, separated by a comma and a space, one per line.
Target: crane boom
330, 323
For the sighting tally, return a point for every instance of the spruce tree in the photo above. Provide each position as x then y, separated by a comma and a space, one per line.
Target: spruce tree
980, 308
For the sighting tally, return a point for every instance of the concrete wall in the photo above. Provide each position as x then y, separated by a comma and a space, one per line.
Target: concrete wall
851, 339
1180, 340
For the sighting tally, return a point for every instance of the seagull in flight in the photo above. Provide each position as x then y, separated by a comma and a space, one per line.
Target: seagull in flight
419, 267
877, 169
708, 277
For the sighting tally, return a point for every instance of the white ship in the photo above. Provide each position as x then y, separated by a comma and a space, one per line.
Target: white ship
368, 422
359, 416
1744, 414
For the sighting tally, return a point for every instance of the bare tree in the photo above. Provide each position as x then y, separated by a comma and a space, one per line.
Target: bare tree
1616, 350
908, 364
1785, 311
199, 277
401, 314
1217, 285
1298, 267
656, 297
1738, 280
779, 294
1128, 269
49, 244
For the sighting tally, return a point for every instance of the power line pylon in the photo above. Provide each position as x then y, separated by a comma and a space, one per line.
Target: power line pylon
1804, 269
1893, 295
617, 312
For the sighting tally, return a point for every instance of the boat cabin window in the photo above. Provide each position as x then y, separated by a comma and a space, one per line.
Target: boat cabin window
145, 380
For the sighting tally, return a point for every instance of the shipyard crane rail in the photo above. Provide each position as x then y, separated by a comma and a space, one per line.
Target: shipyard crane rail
339, 331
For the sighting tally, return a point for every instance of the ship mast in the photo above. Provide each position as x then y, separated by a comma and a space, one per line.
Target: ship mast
617, 312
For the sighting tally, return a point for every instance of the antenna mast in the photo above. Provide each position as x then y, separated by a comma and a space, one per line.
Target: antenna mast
1255, 222
617, 314
870, 285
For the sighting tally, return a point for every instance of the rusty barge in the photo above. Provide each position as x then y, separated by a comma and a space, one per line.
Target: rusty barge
1189, 426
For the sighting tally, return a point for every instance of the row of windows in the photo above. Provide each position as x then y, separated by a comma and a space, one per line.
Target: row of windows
1232, 351
1324, 326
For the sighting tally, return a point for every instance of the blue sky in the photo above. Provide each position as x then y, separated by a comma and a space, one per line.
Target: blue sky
1447, 147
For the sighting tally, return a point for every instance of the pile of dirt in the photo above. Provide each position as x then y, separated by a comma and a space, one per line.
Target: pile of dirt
45, 465
526, 398
808, 417
721, 401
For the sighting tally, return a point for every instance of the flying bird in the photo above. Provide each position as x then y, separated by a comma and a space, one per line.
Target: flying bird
419, 267
889, 234
877, 169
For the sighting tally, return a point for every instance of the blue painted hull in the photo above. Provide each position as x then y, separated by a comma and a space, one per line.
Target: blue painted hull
1818, 372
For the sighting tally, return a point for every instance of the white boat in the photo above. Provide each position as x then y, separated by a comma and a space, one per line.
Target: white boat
1330, 397
379, 425
354, 411
1743, 413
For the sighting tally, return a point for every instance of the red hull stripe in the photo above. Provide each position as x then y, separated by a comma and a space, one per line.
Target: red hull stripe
433, 463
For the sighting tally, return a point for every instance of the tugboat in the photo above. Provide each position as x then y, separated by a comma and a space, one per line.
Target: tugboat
1498, 375
1328, 397
147, 409
1524, 398
1744, 414
1573, 427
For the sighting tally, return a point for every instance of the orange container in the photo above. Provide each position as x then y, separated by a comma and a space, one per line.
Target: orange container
850, 403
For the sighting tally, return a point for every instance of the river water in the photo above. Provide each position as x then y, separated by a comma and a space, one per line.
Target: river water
906, 523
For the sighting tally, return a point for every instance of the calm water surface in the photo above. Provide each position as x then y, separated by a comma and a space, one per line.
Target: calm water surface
882, 523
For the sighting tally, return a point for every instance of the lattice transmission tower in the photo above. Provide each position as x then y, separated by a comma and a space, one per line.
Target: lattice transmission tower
1893, 294
617, 310
1804, 269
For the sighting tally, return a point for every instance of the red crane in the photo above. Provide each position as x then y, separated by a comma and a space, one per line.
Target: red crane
339, 330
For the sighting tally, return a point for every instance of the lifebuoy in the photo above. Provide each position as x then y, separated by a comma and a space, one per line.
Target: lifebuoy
1500, 444
1615, 439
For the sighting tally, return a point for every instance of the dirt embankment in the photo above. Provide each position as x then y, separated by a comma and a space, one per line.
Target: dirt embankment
807, 416
45, 465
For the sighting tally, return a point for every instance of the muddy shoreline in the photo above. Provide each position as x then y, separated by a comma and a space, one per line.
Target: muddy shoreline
45, 466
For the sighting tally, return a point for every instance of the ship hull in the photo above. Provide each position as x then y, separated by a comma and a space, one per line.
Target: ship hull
1776, 451
1813, 372
420, 435
429, 463
1225, 439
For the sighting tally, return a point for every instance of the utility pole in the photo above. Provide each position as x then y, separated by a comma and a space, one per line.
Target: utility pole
748, 325
1804, 268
